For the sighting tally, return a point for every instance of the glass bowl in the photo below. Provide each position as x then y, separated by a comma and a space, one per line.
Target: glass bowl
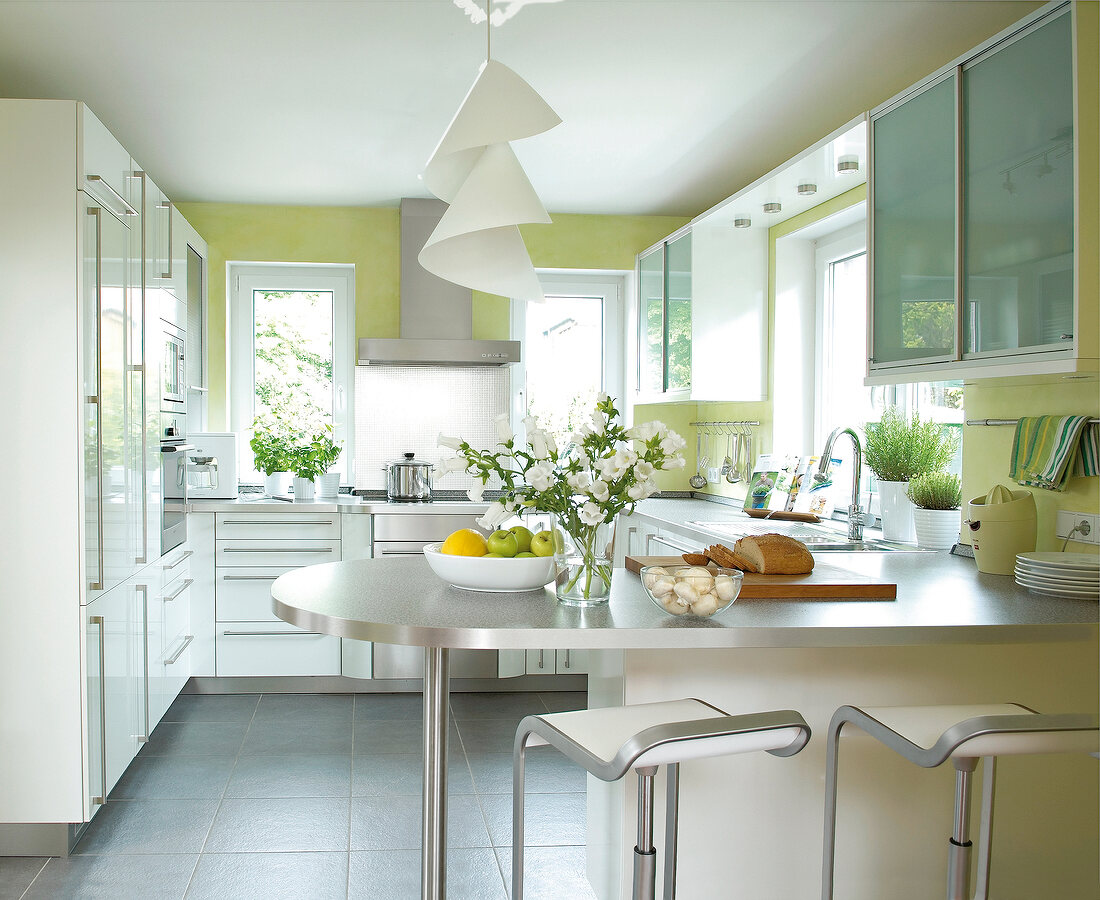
691, 590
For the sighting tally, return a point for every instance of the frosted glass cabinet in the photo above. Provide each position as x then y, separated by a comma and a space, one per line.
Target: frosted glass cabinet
972, 208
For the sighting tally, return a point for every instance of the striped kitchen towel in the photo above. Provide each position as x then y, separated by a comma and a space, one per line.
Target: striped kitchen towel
1048, 449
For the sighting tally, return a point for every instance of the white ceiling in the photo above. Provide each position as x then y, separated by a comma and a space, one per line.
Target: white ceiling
668, 105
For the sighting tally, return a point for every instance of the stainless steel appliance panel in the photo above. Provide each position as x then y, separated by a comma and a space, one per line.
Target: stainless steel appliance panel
393, 661
173, 478
423, 527
173, 373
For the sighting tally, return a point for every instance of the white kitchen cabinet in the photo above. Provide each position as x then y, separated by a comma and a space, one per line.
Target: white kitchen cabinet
557, 662
169, 636
274, 648
104, 167
664, 304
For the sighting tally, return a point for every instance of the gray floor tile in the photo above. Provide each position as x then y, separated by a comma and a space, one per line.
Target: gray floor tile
550, 820
388, 706
270, 876
395, 737
392, 822
472, 874
550, 873
282, 738
153, 877
196, 739
303, 775
565, 701
17, 872
149, 826
251, 826
545, 772
500, 705
212, 708
304, 708
174, 778
403, 773
488, 735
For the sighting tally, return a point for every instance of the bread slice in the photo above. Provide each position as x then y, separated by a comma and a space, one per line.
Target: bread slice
727, 559
775, 554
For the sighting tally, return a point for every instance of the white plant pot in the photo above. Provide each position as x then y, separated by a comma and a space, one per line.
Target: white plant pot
303, 488
276, 483
328, 486
896, 511
937, 529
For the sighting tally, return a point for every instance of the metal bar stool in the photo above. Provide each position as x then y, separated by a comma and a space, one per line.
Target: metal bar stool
610, 742
929, 736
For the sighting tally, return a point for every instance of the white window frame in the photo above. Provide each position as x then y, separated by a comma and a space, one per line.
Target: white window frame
610, 288
243, 278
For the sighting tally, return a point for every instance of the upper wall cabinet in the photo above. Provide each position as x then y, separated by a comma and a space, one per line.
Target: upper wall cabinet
973, 215
665, 319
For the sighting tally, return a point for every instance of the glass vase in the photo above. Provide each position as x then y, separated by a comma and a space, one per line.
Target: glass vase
582, 557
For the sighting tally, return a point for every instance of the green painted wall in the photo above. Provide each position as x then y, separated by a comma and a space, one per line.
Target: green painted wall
369, 239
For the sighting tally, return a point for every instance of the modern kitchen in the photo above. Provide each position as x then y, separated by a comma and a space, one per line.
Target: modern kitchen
762, 341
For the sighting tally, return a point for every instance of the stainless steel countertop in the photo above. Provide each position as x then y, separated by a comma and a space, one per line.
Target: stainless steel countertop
941, 600
346, 503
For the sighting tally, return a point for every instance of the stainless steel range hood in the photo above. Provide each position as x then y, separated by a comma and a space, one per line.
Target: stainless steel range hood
436, 315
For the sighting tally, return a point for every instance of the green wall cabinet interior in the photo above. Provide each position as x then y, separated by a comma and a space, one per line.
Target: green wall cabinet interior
664, 317
1003, 205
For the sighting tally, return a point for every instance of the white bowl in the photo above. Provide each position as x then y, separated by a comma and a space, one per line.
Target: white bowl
493, 575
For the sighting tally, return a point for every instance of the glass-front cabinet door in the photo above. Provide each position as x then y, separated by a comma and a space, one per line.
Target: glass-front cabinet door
651, 321
1018, 177
913, 228
677, 337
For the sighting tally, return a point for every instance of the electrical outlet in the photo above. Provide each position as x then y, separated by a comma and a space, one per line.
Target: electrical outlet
714, 474
1088, 531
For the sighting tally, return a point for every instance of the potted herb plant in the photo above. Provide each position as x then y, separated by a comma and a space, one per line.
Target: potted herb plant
937, 497
271, 449
897, 450
326, 451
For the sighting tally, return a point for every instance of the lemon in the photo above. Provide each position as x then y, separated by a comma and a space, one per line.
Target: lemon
465, 542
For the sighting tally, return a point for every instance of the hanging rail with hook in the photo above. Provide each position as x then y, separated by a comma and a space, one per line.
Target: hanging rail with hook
1005, 421
706, 425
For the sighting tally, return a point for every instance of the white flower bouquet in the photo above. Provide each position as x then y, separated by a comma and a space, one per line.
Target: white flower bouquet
606, 469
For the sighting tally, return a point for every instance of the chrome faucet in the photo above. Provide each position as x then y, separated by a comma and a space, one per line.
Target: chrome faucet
855, 512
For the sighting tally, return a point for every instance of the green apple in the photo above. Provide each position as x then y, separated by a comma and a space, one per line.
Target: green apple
503, 542
523, 537
493, 556
525, 554
542, 544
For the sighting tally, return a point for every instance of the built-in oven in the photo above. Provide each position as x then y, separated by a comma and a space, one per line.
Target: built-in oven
173, 375
173, 479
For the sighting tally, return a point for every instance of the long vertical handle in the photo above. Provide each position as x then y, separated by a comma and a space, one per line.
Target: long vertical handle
98, 620
167, 204
97, 585
141, 369
144, 590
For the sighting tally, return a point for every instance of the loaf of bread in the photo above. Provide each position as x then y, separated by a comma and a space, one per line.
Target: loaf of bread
775, 554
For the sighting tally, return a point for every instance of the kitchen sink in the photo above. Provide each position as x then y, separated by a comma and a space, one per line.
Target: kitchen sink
819, 539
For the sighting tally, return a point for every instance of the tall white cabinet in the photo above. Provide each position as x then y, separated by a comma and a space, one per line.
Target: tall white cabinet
88, 631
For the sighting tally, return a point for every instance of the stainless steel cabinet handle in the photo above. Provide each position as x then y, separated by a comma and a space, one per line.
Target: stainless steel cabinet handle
274, 522
144, 589
272, 634
566, 659
97, 585
542, 663
184, 555
187, 582
98, 620
249, 577
144, 431
167, 204
657, 539
127, 209
277, 550
187, 639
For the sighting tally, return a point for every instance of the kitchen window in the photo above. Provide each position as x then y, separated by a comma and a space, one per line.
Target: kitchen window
292, 335
572, 350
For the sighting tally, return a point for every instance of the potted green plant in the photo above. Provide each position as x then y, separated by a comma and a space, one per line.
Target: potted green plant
937, 497
897, 450
271, 449
326, 451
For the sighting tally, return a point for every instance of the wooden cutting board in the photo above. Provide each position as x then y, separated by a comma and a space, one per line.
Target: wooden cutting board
824, 583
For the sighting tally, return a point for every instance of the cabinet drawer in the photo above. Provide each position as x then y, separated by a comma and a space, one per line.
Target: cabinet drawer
274, 526
175, 564
420, 527
176, 597
243, 594
274, 648
282, 553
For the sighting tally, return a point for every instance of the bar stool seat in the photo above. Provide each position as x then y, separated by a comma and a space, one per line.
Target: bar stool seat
929, 736
610, 742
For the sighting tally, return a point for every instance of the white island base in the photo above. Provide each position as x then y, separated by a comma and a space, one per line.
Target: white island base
751, 825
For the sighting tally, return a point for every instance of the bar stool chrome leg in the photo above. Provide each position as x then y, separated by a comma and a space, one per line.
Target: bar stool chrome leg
518, 793
672, 824
960, 845
645, 857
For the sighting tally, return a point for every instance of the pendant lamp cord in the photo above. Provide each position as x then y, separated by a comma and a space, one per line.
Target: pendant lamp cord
488, 30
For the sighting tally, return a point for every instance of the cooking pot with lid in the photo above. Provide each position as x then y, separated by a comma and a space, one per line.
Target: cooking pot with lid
409, 479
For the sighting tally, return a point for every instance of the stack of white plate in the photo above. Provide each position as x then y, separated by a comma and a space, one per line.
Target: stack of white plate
1060, 574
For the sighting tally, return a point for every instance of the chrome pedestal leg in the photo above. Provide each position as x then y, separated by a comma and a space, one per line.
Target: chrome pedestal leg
433, 859
645, 857
959, 847
672, 824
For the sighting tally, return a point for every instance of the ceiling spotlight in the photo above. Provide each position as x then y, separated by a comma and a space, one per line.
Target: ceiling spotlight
807, 188
847, 165
772, 207
742, 222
